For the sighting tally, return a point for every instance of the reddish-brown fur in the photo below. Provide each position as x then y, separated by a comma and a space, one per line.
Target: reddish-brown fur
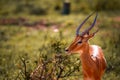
91, 56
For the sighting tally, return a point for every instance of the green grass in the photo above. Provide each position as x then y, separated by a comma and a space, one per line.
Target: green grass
19, 43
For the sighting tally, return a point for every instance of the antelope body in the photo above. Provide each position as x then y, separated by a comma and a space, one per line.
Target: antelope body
91, 56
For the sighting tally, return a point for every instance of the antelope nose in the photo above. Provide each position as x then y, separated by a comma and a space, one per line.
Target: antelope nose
66, 50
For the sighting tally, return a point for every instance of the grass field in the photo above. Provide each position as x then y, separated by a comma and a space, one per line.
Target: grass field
22, 48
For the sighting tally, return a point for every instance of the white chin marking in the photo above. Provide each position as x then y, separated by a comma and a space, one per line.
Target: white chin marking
69, 54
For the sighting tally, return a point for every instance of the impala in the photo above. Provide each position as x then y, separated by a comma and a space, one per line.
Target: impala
91, 56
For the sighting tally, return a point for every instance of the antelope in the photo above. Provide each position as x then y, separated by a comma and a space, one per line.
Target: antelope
91, 56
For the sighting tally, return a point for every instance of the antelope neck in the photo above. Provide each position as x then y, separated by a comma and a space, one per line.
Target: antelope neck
85, 50
85, 56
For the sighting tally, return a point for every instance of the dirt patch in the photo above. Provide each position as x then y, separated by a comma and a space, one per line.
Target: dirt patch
40, 24
116, 19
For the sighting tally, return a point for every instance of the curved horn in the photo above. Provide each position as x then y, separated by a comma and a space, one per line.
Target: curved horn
77, 30
87, 30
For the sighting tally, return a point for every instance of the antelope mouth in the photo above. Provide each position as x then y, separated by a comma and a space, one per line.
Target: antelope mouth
68, 52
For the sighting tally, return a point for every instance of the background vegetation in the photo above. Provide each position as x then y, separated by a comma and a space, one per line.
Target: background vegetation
34, 34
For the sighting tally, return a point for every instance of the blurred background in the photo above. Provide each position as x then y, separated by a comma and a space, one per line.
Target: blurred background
34, 34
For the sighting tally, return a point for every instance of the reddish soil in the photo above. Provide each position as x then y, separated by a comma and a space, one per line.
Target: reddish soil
116, 19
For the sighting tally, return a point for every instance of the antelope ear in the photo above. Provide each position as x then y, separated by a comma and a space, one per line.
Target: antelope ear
91, 35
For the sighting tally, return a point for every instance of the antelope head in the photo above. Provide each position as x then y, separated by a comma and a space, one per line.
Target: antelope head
81, 39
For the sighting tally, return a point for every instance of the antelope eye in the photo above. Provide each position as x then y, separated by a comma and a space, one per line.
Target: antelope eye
79, 42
